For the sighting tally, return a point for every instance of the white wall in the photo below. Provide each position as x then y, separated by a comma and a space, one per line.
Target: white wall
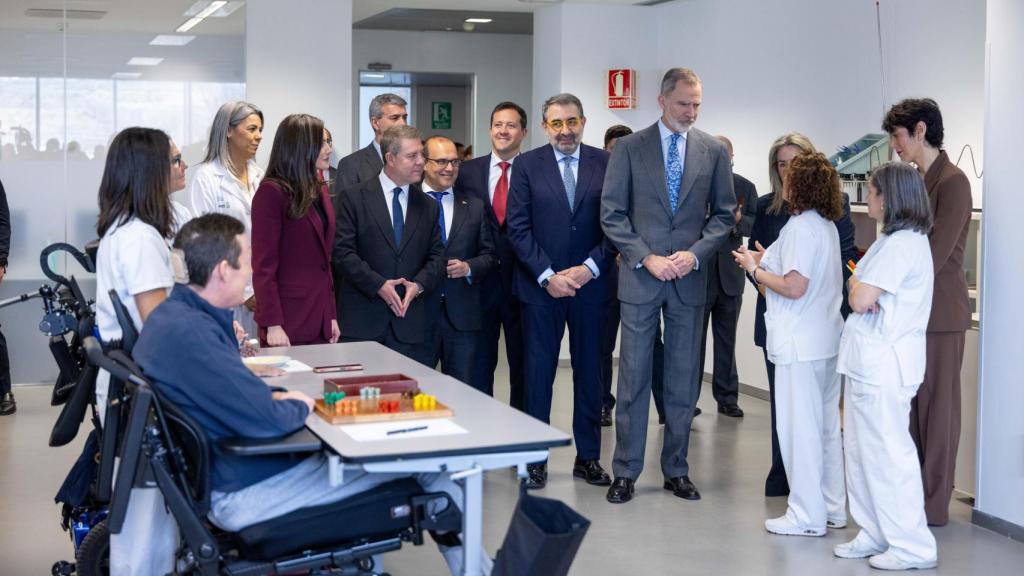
501, 63
298, 63
1001, 429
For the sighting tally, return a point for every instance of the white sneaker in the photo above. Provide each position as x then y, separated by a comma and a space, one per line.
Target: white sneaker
856, 548
836, 523
889, 561
786, 527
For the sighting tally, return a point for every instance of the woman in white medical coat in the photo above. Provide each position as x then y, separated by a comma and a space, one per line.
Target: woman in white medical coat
801, 272
227, 179
882, 353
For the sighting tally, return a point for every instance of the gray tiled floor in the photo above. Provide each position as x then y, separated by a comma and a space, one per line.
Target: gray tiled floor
654, 534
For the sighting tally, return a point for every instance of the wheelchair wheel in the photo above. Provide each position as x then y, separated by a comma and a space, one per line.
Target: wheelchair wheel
93, 557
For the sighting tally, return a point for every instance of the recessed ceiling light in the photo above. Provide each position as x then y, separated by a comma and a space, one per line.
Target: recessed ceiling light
202, 14
225, 9
171, 40
189, 24
142, 61
479, 20
126, 75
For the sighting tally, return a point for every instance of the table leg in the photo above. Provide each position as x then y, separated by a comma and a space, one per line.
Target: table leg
472, 522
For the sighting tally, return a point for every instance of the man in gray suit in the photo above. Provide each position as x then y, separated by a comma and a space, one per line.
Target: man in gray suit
668, 204
386, 110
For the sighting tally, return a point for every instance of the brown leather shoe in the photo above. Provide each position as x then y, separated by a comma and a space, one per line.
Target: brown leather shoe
591, 471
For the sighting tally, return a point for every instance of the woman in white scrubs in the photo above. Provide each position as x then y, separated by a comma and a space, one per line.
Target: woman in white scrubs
227, 179
136, 222
804, 285
882, 353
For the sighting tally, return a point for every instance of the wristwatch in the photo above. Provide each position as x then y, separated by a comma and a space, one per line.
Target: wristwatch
752, 276
544, 283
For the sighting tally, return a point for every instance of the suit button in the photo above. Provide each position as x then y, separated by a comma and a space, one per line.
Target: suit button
399, 259
573, 228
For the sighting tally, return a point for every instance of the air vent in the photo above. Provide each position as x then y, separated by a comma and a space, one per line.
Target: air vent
71, 14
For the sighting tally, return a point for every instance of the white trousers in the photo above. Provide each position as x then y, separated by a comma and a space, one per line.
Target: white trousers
882, 470
807, 419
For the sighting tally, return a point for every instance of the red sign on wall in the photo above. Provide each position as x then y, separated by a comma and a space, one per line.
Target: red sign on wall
621, 89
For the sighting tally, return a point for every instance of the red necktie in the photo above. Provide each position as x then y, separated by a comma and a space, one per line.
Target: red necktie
501, 193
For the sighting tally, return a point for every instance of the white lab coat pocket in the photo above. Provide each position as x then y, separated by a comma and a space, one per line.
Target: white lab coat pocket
911, 356
866, 358
779, 341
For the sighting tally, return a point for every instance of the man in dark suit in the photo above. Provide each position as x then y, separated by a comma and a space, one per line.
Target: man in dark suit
386, 110
388, 251
468, 256
555, 229
487, 177
668, 205
725, 295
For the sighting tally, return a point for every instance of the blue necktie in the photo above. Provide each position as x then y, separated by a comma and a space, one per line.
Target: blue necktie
440, 215
397, 219
569, 180
673, 172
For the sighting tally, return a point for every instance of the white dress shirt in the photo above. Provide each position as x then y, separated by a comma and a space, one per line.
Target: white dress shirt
495, 173
575, 167
403, 198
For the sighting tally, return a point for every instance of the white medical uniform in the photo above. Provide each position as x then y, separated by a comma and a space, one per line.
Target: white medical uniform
134, 258
212, 188
883, 357
803, 341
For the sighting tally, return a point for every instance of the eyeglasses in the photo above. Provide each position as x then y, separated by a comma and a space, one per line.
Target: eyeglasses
442, 162
572, 123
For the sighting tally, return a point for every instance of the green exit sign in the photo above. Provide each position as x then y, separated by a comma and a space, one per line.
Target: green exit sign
441, 116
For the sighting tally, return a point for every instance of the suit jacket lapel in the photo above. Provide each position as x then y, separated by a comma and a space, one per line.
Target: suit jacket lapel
318, 224
459, 216
585, 175
377, 206
414, 212
653, 158
696, 156
372, 160
553, 172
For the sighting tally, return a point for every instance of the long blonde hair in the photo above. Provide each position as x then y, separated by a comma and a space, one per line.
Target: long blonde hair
791, 139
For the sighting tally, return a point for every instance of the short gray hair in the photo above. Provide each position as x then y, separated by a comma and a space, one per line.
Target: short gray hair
676, 75
229, 116
563, 99
906, 198
378, 102
391, 140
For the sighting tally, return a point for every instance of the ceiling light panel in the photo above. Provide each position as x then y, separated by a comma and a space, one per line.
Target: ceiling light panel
171, 40
144, 61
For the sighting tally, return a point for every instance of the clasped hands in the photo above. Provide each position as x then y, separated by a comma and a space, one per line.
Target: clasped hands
671, 267
389, 294
567, 282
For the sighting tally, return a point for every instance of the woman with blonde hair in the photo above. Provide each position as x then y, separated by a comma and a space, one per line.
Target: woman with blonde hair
803, 280
771, 214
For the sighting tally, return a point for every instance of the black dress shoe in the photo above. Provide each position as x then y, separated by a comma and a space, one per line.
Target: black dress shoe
606, 416
591, 471
621, 491
731, 410
682, 488
7, 404
536, 476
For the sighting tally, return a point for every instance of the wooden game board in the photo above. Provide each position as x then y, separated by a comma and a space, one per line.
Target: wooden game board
405, 411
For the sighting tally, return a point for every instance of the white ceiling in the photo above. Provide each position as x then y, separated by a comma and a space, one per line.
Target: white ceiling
163, 16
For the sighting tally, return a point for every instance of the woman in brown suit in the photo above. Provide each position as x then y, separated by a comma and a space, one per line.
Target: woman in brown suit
915, 126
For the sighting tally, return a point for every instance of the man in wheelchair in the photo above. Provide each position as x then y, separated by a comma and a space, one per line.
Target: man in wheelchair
188, 350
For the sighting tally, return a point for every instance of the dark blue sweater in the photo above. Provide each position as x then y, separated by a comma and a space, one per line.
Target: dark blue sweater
187, 348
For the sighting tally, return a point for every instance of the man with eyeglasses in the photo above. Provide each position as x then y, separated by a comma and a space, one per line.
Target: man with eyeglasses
469, 259
668, 206
487, 177
555, 229
386, 110
388, 252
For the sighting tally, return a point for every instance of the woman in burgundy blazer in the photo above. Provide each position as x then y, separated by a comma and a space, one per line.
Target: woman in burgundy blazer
292, 233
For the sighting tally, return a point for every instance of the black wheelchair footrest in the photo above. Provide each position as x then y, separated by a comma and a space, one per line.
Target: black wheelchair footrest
347, 559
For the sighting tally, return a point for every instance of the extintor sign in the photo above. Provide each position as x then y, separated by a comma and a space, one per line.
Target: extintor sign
621, 89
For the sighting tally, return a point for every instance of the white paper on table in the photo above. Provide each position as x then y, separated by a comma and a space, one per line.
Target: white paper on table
376, 431
296, 366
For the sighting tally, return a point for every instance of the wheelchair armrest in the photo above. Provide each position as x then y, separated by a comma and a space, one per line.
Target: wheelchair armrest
300, 441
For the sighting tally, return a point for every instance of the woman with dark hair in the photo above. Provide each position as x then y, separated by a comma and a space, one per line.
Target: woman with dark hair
803, 281
292, 237
227, 179
915, 127
771, 214
134, 259
882, 354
